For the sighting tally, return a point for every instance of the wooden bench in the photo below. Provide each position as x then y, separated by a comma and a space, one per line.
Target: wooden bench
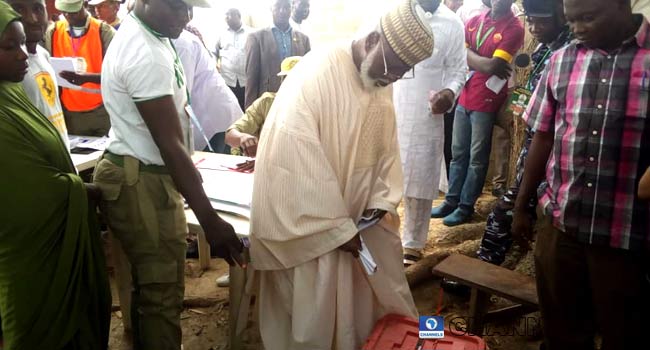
487, 279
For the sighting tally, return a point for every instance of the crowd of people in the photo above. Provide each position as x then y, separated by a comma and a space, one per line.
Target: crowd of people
338, 137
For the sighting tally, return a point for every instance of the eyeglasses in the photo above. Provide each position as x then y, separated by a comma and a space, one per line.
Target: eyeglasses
408, 75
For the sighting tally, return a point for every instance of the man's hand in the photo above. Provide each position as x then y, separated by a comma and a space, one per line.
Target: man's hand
503, 71
352, 246
442, 101
73, 78
93, 192
225, 244
248, 145
247, 166
81, 78
522, 228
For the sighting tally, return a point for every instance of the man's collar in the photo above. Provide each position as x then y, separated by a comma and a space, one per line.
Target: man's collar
86, 26
506, 16
565, 37
241, 29
282, 31
642, 35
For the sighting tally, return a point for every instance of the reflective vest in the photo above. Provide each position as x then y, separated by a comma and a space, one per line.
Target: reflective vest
88, 46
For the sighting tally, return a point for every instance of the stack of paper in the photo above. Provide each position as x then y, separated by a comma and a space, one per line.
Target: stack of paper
366, 259
90, 142
364, 254
229, 191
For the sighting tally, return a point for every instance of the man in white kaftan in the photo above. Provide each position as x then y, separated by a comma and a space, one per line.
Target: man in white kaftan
421, 133
328, 153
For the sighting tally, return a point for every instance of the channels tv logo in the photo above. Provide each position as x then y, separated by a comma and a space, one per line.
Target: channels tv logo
432, 327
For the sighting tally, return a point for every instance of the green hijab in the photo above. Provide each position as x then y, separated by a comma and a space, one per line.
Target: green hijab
7, 15
53, 284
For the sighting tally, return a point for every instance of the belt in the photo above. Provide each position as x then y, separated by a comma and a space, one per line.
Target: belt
119, 161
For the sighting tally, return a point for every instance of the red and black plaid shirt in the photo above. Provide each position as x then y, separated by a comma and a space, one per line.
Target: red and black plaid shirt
596, 103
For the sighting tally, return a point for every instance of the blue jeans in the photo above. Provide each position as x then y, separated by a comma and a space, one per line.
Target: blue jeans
470, 150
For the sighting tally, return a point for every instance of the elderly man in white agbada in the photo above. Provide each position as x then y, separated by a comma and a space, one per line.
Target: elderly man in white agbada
328, 155
420, 103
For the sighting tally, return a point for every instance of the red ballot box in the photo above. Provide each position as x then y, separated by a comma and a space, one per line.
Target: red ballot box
395, 332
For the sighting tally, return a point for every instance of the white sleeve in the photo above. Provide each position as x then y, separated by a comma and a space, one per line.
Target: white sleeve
148, 80
456, 60
212, 100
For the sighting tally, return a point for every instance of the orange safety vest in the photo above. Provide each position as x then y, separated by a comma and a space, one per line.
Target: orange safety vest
88, 46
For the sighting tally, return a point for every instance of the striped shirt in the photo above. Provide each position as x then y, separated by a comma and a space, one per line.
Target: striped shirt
596, 104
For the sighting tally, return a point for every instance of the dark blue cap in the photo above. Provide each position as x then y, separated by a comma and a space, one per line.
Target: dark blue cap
540, 8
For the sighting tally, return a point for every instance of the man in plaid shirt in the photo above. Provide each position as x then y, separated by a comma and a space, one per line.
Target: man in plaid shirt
592, 142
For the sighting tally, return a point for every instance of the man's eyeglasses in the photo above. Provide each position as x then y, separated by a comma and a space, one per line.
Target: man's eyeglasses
408, 75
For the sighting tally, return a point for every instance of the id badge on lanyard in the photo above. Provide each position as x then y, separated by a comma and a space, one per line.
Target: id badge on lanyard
518, 101
194, 120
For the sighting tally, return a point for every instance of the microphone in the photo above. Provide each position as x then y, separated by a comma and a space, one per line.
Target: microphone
522, 60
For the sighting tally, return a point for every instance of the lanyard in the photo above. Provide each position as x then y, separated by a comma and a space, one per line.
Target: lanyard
537, 69
178, 66
480, 40
180, 77
75, 40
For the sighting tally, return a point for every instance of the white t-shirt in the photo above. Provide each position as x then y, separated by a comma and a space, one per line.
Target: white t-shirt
42, 89
140, 66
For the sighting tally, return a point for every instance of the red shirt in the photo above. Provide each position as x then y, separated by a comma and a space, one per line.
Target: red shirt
489, 38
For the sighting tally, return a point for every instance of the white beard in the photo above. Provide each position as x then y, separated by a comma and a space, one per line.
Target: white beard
370, 84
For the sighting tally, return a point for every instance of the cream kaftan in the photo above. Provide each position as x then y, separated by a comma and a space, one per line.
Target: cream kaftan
328, 151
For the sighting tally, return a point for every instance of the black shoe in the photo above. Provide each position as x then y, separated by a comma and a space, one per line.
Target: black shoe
455, 288
192, 249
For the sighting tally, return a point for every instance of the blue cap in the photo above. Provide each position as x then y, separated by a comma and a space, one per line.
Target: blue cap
539, 8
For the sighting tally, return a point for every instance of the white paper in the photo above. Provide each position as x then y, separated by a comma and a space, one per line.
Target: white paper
366, 259
228, 189
96, 143
61, 64
495, 84
223, 163
71, 64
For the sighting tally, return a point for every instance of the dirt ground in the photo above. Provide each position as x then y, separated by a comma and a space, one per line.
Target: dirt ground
206, 328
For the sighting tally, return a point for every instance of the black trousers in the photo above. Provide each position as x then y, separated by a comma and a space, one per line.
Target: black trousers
584, 290
240, 93
449, 132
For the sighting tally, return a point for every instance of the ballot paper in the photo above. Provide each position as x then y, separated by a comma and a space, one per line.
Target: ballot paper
71, 64
495, 84
89, 142
367, 261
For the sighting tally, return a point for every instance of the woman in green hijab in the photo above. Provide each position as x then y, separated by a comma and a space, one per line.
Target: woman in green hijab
53, 285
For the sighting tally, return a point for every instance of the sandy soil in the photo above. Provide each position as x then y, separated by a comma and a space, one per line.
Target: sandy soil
207, 328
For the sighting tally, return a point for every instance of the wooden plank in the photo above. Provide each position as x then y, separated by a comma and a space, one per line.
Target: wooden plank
508, 313
478, 305
490, 278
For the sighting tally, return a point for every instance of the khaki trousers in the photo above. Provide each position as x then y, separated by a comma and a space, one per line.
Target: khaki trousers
90, 123
586, 290
145, 213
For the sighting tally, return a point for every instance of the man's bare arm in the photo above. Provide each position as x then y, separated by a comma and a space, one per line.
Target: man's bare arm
162, 120
489, 65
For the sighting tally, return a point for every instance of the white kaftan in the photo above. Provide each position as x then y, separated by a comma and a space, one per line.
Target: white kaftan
421, 134
214, 104
327, 152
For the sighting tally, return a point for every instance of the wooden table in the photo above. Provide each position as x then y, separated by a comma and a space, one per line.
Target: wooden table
88, 161
85, 162
238, 275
